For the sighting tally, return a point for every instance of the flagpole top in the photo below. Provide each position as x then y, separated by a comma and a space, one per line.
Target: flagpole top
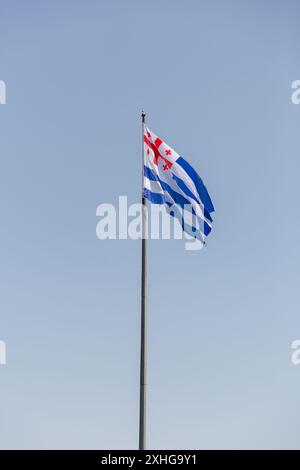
143, 116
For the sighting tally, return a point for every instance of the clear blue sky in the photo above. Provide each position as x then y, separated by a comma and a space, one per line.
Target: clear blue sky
215, 79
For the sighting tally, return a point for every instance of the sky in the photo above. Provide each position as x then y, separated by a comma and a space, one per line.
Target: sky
215, 79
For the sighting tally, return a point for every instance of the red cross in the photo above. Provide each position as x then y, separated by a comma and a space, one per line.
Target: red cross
157, 154
168, 152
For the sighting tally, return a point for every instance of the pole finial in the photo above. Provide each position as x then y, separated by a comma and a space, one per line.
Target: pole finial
143, 116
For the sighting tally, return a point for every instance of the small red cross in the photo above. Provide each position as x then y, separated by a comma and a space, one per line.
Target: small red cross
168, 152
167, 165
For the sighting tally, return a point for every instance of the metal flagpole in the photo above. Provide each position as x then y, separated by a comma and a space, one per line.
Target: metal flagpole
143, 363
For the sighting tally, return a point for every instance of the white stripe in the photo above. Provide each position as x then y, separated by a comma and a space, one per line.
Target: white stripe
189, 219
153, 186
166, 177
177, 169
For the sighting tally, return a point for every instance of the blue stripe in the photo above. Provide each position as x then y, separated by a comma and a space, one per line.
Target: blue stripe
207, 229
149, 174
173, 211
207, 215
155, 198
192, 231
181, 184
203, 193
177, 198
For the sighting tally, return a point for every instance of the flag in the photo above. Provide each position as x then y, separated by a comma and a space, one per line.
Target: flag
170, 180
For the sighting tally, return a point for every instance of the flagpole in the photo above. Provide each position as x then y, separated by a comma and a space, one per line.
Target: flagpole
143, 358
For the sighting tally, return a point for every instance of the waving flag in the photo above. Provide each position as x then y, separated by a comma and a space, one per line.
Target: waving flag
170, 180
